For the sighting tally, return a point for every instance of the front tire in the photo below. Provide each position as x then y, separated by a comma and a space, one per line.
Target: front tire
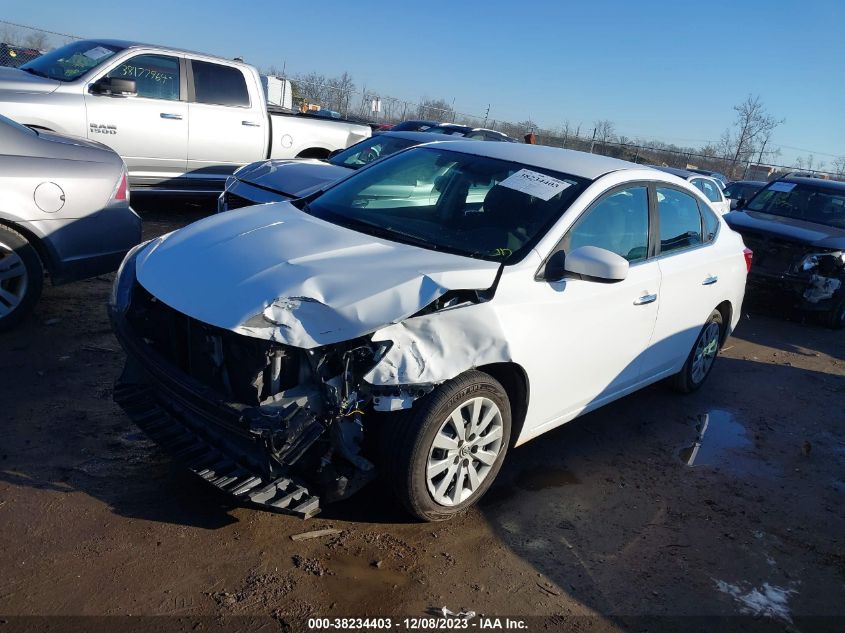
442, 455
702, 357
21, 277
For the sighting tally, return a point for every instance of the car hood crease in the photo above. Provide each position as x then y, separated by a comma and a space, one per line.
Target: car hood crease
275, 272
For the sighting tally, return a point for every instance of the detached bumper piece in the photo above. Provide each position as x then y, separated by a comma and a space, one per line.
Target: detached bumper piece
202, 458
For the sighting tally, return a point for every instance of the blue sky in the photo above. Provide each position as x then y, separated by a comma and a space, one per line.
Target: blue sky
669, 70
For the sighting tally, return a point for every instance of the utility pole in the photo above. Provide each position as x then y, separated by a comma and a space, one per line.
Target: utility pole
593, 142
486, 114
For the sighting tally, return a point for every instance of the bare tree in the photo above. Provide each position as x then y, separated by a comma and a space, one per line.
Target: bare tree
605, 131
753, 128
37, 40
435, 109
837, 166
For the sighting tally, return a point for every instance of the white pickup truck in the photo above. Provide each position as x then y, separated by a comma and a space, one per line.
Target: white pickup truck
182, 121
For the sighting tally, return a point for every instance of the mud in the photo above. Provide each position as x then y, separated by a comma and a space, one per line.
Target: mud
598, 518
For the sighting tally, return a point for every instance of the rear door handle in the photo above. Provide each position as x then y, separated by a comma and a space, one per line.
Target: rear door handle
170, 115
709, 281
250, 124
645, 299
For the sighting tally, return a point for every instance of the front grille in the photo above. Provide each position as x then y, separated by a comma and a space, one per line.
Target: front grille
241, 369
773, 254
234, 201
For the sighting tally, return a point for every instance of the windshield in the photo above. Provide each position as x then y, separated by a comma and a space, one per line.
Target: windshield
369, 150
450, 201
737, 190
72, 61
801, 201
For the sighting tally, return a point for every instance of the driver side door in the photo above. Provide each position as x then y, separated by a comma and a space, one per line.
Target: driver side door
150, 130
595, 332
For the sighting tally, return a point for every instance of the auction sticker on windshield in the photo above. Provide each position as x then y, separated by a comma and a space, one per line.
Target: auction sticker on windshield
535, 184
97, 52
785, 187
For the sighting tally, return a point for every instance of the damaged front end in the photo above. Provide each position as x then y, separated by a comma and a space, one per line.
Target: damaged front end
248, 411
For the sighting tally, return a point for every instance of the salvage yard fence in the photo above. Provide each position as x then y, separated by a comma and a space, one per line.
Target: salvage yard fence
20, 43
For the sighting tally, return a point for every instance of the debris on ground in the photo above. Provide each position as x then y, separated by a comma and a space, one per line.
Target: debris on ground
304, 536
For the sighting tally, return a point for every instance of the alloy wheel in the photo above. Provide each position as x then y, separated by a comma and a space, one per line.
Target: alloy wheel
13, 280
464, 450
705, 351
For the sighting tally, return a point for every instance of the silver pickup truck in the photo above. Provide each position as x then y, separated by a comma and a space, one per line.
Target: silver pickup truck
182, 121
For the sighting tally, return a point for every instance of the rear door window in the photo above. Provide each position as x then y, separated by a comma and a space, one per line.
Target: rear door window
216, 84
680, 220
155, 76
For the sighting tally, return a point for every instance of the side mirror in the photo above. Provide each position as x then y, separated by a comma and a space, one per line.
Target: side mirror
737, 204
113, 86
589, 261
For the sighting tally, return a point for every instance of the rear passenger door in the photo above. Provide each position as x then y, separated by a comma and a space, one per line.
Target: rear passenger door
227, 128
689, 289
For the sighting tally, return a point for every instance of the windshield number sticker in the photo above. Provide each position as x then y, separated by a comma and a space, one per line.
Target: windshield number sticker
535, 184
785, 187
97, 52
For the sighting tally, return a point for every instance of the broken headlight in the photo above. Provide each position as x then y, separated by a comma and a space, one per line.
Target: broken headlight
814, 260
121, 290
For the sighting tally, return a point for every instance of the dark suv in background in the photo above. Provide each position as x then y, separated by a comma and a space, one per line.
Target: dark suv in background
796, 227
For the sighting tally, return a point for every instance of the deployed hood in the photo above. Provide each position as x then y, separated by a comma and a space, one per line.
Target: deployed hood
291, 177
799, 231
16, 80
274, 272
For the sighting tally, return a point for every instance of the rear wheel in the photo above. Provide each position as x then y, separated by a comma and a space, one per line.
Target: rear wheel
21, 277
703, 355
442, 455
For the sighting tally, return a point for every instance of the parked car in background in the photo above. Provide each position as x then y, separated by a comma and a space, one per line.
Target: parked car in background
64, 211
472, 133
182, 121
276, 348
274, 180
715, 175
796, 227
15, 56
739, 192
413, 126
707, 185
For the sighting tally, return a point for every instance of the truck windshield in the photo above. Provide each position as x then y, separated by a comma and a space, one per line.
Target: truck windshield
802, 201
71, 61
451, 201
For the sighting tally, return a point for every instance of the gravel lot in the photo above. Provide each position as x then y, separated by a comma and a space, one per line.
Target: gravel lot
601, 517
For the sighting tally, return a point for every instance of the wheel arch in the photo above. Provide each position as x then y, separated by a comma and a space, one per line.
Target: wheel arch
44, 254
726, 310
514, 379
314, 152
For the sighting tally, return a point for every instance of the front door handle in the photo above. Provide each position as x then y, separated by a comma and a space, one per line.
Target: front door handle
709, 281
250, 124
645, 299
170, 115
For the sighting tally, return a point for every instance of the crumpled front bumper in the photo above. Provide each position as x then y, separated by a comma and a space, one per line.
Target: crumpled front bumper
794, 288
209, 437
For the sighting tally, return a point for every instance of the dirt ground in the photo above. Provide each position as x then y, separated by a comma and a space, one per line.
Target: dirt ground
601, 517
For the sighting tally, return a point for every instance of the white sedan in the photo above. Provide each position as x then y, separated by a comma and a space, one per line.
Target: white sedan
710, 187
518, 288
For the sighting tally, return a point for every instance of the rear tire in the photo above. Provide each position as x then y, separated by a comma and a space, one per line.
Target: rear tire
436, 469
702, 356
21, 277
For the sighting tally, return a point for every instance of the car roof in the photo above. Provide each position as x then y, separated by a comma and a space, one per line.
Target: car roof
681, 173
567, 161
748, 182
837, 185
134, 44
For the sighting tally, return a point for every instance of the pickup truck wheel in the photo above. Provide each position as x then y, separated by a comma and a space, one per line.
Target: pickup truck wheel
442, 455
703, 355
21, 277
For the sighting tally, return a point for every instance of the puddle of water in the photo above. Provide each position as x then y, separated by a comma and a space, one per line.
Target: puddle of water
718, 434
542, 478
